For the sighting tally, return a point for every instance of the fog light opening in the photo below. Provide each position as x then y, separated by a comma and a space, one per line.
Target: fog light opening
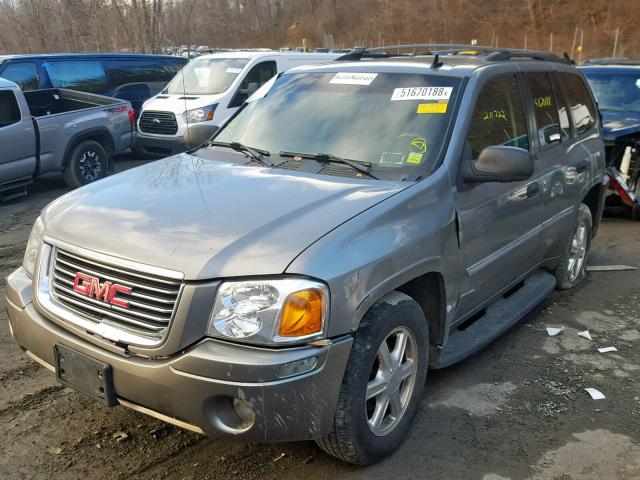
298, 367
233, 415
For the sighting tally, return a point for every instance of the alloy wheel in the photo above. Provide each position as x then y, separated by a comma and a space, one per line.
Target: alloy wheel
577, 252
90, 165
391, 381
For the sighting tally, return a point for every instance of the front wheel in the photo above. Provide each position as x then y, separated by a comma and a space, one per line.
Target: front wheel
383, 382
87, 163
572, 268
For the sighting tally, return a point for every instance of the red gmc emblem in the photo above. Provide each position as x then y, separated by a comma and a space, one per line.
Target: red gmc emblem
107, 291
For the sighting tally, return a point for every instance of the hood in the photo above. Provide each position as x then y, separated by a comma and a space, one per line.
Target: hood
178, 104
209, 218
619, 124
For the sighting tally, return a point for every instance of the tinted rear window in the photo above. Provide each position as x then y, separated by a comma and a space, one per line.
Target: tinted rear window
83, 75
545, 109
122, 72
25, 74
582, 109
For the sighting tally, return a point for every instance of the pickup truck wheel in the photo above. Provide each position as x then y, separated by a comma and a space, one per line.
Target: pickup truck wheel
572, 268
87, 163
383, 382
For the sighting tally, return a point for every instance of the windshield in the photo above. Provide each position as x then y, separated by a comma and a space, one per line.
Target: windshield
391, 120
206, 76
616, 90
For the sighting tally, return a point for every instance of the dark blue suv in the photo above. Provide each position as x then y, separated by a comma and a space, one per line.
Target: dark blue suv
616, 85
131, 77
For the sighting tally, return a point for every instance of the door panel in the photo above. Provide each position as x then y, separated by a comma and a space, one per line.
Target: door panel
499, 222
566, 168
17, 137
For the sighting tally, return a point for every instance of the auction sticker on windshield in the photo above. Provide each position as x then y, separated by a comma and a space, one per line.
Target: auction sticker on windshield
353, 78
422, 93
432, 108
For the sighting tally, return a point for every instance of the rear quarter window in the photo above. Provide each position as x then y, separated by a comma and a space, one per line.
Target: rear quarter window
582, 109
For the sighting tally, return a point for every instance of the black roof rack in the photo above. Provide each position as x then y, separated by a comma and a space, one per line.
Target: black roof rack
490, 54
611, 61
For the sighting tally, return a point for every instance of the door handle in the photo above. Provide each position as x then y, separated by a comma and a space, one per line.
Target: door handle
581, 167
533, 189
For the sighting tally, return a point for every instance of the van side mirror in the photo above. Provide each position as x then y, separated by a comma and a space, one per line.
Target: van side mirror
499, 164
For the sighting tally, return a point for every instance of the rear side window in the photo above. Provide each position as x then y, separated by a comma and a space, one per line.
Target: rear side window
545, 109
582, 109
24, 74
83, 75
127, 72
498, 117
9, 110
137, 80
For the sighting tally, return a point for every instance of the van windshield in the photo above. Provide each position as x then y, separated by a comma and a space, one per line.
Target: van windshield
206, 76
396, 122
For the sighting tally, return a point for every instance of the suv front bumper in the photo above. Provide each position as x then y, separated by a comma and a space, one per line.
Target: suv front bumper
196, 388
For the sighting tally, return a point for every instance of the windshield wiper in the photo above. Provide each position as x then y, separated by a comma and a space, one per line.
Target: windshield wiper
255, 153
361, 167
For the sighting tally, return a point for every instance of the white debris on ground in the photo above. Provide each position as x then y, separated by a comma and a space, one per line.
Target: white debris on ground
595, 393
553, 331
585, 334
607, 349
609, 268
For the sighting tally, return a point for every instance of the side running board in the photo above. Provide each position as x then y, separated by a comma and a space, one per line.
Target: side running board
501, 315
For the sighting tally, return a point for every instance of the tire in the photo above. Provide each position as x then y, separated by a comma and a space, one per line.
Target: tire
351, 438
87, 163
573, 265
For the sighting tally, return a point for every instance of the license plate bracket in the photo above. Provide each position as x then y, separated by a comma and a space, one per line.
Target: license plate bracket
84, 374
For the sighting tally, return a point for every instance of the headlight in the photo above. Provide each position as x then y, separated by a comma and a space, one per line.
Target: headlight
200, 114
270, 311
33, 246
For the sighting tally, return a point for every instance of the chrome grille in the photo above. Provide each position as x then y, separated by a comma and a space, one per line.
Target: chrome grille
152, 301
161, 123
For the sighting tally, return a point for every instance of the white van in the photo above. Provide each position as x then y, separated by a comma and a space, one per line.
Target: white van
204, 95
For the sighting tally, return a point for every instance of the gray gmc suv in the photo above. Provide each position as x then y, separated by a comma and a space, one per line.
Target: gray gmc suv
353, 226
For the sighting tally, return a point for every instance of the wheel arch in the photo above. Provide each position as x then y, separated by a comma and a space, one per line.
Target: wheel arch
100, 135
594, 199
429, 292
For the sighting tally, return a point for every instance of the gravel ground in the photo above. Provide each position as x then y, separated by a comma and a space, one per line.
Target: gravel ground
515, 410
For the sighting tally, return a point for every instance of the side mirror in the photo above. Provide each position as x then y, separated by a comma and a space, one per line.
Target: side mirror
499, 164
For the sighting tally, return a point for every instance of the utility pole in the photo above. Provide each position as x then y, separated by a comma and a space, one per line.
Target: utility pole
580, 47
525, 41
573, 45
615, 42
551, 42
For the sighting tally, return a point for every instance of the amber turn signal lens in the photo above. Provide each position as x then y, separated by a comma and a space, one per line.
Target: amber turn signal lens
302, 313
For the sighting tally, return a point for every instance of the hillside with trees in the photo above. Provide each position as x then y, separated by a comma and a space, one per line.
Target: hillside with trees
583, 28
